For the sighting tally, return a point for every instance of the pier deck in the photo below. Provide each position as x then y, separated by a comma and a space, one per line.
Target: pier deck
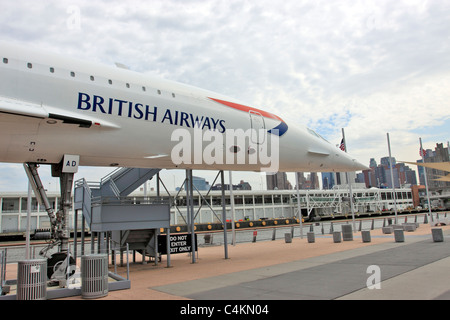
275, 270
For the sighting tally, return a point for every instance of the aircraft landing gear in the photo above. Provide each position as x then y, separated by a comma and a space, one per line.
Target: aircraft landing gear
57, 267
57, 262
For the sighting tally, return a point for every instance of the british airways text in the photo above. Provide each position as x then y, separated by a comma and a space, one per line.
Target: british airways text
134, 110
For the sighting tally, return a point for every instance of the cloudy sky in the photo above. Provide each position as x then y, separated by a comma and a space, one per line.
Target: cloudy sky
370, 67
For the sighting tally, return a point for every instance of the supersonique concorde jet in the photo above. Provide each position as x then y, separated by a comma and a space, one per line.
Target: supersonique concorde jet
52, 106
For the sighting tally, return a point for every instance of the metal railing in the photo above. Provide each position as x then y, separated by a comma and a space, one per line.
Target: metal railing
132, 200
325, 228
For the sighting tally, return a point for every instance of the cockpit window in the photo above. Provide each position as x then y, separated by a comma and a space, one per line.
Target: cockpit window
311, 131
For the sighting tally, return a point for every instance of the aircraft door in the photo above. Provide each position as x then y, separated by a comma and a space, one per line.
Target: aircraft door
258, 133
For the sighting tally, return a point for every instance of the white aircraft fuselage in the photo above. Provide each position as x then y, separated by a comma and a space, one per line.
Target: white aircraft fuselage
52, 105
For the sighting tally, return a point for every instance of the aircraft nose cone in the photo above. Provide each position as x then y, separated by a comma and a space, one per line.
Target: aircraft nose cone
359, 166
349, 163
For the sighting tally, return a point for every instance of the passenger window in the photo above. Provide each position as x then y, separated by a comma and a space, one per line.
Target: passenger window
52, 70
159, 91
29, 65
5, 60
128, 85
110, 81
72, 74
143, 89
92, 78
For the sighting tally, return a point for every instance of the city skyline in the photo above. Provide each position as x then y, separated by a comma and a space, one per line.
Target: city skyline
377, 176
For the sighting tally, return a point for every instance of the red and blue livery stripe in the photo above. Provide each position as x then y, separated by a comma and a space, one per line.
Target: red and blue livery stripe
278, 130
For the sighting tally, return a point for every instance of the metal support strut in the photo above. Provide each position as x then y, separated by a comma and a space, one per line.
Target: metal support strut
59, 223
39, 192
62, 217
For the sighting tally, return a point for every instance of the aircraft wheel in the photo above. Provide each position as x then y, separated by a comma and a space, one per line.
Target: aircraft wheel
55, 261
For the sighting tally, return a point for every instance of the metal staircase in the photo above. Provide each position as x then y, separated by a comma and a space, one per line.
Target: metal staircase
123, 181
106, 209
114, 186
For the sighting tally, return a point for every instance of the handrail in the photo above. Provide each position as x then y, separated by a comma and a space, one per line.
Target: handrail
108, 176
132, 200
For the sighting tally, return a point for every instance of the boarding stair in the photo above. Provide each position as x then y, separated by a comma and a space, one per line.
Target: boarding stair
114, 186
106, 208
122, 182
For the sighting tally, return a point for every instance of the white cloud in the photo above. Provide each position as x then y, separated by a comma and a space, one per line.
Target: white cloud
369, 66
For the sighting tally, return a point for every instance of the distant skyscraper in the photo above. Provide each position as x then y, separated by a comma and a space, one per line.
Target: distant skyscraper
360, 177
200, 183
395, 176
328, 180
314, 180
385, 162
405, 174
277, 181
301, 180
379, 175
244, 185
440, 154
